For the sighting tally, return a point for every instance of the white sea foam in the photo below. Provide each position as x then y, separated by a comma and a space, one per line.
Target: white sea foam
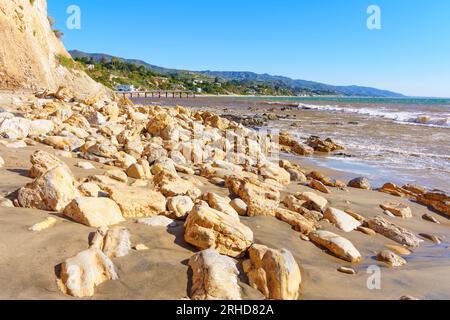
403, 117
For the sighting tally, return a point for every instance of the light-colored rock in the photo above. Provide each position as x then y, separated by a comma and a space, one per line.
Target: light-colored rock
240, 206
275, 273
208, 228
89, 189
141, 247
296, 220
53, 191
391, 258
42, 162
46, 224
94, 212
272, 171
393, 232
338, 245
367, 231
41, 127
398, 249
85, 165
342, 220
158, 221
64, 143
261, 198
139, 170
137, 202
2, 162
15, 128
313, 201
114, 242
214, 277
347, 270
397, 209
355, 215
221, 204
6, 203
180, 206
81, 274
117, 174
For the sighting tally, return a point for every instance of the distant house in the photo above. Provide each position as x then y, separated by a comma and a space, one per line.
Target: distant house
90, 67
199, 90
125, 88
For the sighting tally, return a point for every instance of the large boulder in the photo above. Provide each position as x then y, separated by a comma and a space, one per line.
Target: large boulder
137, 202
338, 245
360, 183
221, 204
261, 198
42, 162
114, 242
15, 128
94, 212
296, 220
179, 206
313, 201
273, 272
214, 277
272, 171
393, 232
208, 228
53, 191
81, 274
342, 220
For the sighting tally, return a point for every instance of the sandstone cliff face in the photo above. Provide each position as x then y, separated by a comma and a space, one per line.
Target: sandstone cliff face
29, 51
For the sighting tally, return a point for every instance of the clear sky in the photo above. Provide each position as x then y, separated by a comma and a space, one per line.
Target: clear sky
320, 40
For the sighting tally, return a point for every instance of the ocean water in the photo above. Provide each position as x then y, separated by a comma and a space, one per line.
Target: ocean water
389, 140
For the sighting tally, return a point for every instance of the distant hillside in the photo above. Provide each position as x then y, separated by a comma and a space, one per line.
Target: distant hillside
247, 82
302, 84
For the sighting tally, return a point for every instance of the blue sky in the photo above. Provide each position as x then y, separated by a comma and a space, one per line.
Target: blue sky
319, 40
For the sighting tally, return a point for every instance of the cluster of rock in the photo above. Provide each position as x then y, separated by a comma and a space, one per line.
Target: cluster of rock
438, 200
159, 154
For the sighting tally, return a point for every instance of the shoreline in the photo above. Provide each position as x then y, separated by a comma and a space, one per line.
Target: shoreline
342, 165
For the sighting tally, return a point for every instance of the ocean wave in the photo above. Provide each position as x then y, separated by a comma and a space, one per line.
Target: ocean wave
441, 120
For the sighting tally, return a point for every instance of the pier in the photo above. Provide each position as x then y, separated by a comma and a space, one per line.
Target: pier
157, 94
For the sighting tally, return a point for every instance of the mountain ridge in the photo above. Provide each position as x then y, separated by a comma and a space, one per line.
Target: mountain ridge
250, 77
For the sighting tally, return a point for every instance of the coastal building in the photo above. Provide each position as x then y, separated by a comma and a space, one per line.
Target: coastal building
125, 88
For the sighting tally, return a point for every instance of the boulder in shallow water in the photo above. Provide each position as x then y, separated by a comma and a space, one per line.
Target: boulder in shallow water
360, 183
391, 258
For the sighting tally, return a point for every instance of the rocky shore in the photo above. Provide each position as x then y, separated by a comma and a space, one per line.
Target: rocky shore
133, 201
